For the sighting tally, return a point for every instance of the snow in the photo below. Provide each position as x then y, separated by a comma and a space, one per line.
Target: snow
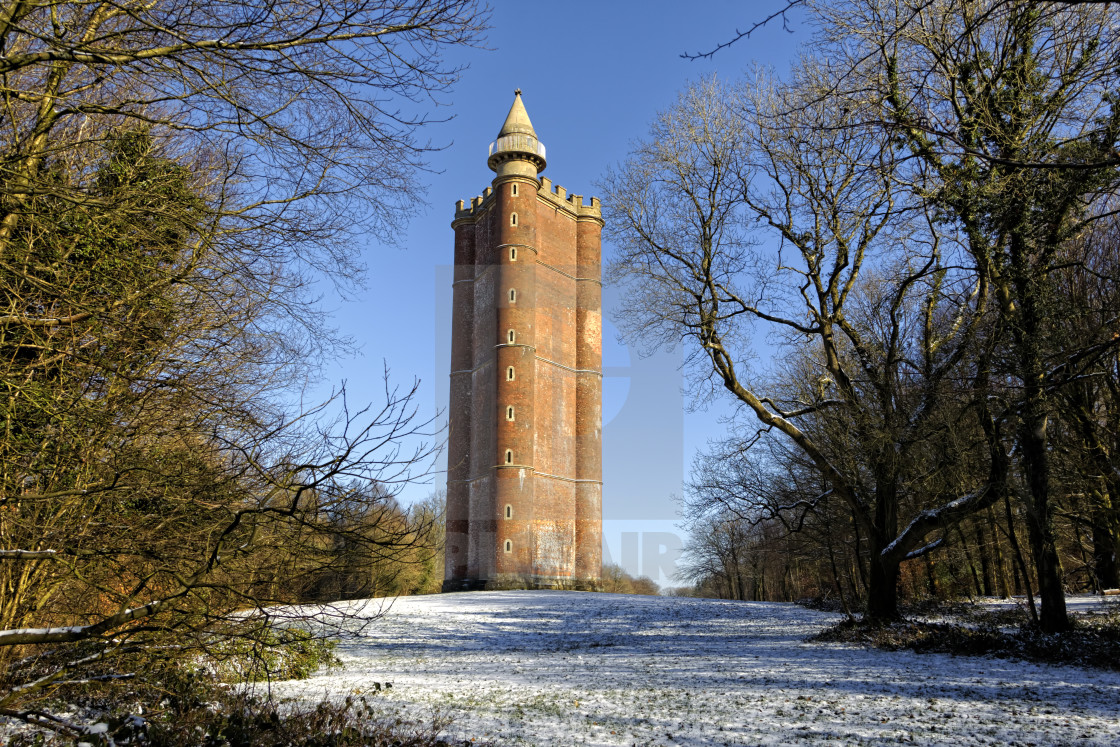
65, 630
547, 668
1076, 604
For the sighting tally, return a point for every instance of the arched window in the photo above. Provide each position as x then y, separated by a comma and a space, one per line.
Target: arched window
509, 457
509, 413
513, 254
514, 190
509, 546
511, 336
509, 374
513, 295
513, 219
509, 511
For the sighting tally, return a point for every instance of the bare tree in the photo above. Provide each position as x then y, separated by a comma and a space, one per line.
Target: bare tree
781, 14
1087, 446
1008, 114
860, 276
310, 107
757, 499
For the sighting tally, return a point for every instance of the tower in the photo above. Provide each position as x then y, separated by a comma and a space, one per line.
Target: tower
524, 467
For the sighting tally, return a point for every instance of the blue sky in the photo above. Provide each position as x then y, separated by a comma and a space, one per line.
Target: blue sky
592, 76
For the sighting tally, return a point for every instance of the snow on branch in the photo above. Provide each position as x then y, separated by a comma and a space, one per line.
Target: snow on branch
48, 554
28, 554
908, 542
69, 633
924, 549
46, 721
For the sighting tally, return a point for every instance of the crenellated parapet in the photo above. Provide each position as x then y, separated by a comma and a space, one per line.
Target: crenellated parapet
552, 194
559, 198
473, 208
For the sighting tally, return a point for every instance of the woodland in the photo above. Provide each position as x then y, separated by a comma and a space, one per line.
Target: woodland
175, 177
900, 262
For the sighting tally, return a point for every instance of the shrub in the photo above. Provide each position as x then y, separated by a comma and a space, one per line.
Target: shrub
271, 653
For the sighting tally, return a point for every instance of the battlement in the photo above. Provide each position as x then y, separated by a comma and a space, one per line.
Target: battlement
553, 194
464, 210
559, 197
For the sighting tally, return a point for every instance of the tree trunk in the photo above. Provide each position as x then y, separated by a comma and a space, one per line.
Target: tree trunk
1020, 563
1040, 523
931, 579
968, 560
882, 592
1079, 523
985, 559
1106, 543
836, 575
1102, 510
1001, 568
1105, 564
858, 557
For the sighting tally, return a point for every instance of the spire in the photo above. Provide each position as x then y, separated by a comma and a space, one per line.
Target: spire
517, 149
517, 121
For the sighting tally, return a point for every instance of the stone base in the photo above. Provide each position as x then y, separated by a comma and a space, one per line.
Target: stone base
462, 584
513, 581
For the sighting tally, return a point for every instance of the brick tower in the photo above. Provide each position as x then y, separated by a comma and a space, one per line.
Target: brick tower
524, 467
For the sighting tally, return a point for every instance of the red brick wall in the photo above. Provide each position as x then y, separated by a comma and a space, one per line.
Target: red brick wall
552, 483
589, 415
459, 404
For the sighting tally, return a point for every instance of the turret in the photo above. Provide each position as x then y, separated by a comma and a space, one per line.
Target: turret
517, 151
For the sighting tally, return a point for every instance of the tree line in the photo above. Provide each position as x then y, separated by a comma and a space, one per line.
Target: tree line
176, 180
900, 263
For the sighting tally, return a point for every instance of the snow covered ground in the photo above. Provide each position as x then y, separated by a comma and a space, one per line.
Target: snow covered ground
562, 668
